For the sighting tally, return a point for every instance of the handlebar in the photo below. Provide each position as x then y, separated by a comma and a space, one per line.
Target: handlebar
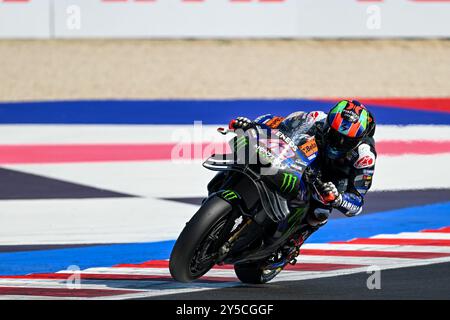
317, 182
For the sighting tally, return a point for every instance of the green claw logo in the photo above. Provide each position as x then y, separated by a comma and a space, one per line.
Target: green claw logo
241, 142
295, 218
289, 182
229, 195
296, 215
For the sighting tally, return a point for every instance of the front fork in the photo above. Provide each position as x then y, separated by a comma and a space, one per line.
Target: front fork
285, 255
234, 199
225, 249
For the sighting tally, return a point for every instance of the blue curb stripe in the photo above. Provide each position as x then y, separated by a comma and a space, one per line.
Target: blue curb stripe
187, 111
395, 221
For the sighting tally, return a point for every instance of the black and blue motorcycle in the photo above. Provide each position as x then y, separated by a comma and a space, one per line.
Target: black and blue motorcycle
254, 216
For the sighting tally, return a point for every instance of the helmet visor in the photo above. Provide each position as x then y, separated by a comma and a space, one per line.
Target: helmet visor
340, 142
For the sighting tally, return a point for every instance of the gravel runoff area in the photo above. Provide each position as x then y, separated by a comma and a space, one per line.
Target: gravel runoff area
144, 69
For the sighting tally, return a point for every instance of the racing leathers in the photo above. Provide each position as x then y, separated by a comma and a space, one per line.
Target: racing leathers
348, 178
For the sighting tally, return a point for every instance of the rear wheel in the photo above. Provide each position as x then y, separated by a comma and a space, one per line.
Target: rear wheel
195, 251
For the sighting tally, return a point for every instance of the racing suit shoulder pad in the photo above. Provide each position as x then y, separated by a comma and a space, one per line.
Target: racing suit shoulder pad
317, 116
364, 157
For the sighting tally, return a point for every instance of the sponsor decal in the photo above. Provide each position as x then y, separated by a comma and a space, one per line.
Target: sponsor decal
316, 116
265, 153
349, 206
274, 122
289, 181
350, 116
277, 147
309, 148
286, 139
240, 142
313, 115
367, 180
294, 220
352, 108
364, 162
366, 157
271, 158
363, 177
229, 195
297, 167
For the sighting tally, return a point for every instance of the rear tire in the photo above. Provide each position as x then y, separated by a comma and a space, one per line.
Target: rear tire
210, 217
255, 273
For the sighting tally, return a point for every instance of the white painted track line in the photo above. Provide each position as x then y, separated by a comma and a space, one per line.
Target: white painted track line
92, 134
414, 235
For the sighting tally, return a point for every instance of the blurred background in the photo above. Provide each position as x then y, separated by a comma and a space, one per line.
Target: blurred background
96, 94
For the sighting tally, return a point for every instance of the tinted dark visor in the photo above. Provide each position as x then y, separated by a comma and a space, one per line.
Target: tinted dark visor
341, 142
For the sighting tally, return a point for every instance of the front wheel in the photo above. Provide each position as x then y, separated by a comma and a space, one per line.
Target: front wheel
195, 251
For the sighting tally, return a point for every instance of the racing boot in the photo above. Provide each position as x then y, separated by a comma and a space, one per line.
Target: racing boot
315, 219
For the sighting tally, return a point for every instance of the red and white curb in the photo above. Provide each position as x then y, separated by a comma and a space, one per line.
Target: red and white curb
152, 278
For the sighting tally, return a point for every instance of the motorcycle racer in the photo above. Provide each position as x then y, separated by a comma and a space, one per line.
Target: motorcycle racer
347, 154
278, 186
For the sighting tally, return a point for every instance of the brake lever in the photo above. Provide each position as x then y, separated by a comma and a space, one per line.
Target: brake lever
312, 176
224, 131
330, 197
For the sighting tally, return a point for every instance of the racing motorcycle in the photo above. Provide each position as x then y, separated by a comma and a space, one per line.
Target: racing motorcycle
254, 216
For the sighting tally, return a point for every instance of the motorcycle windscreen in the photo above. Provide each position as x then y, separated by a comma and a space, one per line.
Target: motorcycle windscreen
284, 153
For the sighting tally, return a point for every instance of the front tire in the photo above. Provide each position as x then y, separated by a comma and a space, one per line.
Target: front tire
205, 225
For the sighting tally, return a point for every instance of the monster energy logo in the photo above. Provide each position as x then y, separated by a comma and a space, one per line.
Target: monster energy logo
295, 218
289, 181
229, 195
241, 142
296, 215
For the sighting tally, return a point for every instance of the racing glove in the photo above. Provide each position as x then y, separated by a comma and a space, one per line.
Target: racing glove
241, 123
330, 194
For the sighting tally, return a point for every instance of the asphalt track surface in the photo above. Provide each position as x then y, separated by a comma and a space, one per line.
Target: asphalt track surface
424, 282
115, 212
